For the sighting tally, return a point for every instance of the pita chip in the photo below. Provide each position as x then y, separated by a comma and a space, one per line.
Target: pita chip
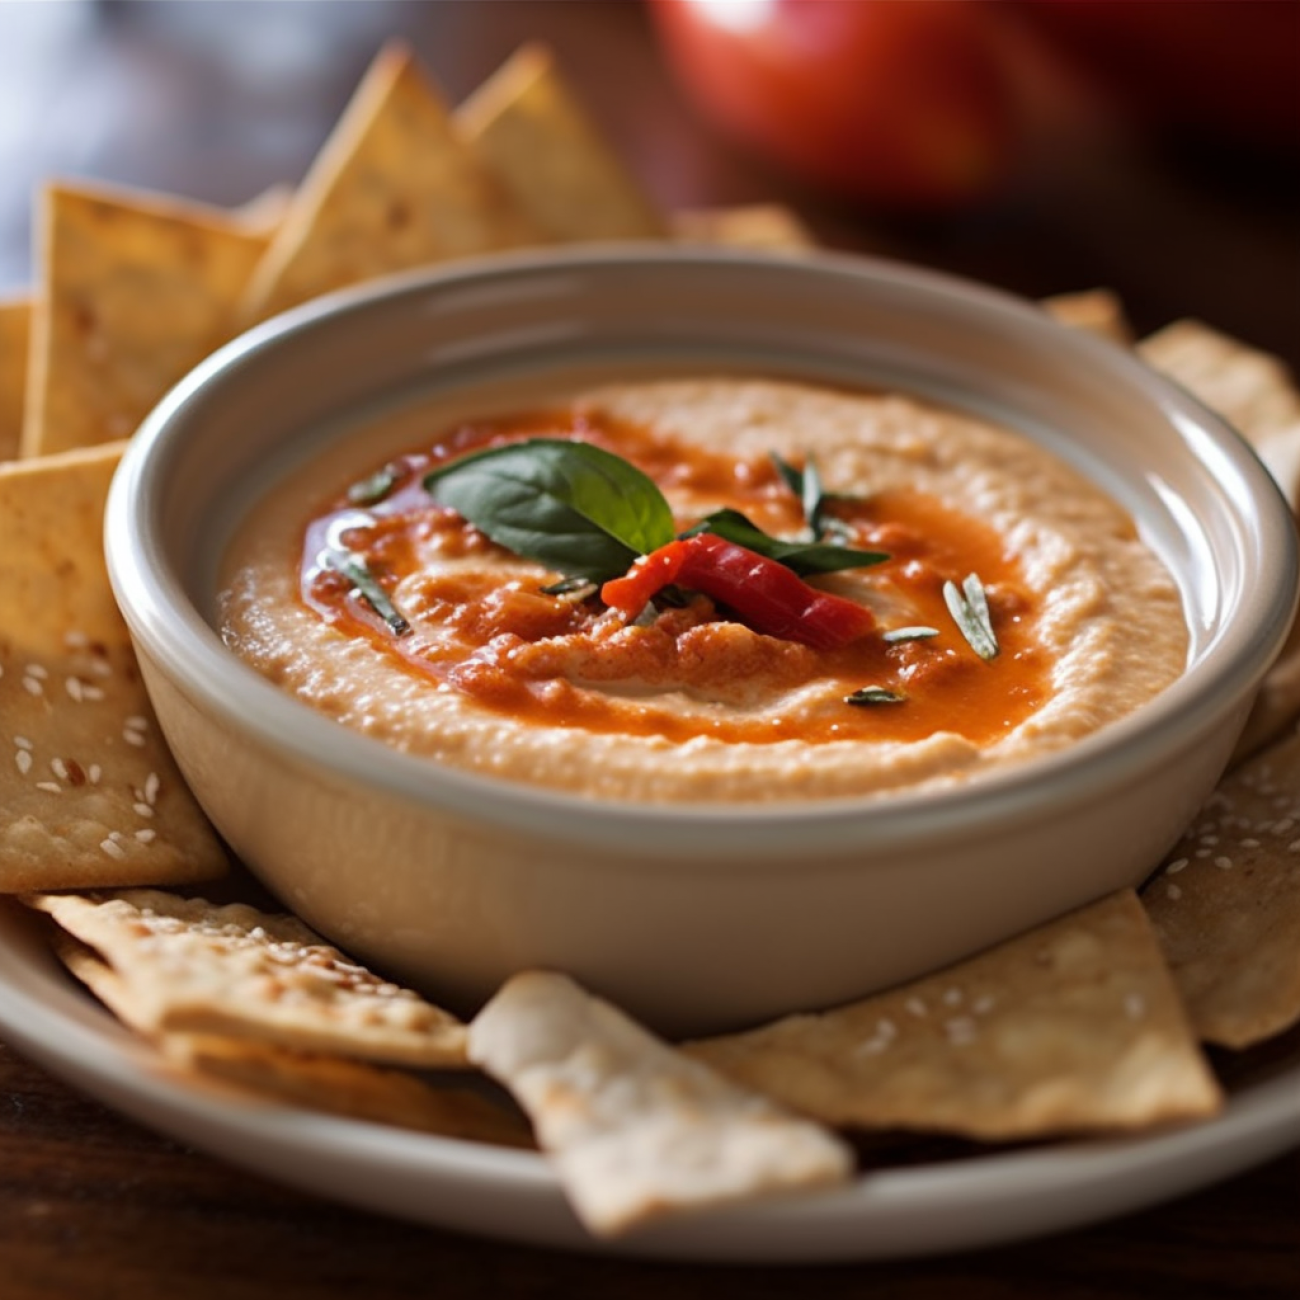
393, 188
634, 1129
1096, 311
1226, 905
529, 128
1253, 390
187, 966
89, 792
15, 314
134, 291
764, 227
1075, 1026
336, 1084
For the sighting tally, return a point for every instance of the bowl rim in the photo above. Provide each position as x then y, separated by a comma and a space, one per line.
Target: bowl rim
169, 629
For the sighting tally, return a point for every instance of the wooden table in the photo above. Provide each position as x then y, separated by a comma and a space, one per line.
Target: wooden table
218, 101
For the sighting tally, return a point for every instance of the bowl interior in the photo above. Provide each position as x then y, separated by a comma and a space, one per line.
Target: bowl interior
479, 333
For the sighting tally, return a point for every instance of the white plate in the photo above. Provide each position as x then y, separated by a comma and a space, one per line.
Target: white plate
977, 1201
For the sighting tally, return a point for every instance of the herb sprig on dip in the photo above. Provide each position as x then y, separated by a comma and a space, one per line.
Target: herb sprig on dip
591, 514
594, 516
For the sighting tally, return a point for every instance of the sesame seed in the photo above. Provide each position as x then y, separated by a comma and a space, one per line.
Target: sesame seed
915, 1006
1224, 864
23, 760
32, 686
38, 671
151, 786
133, 738
92, 693
76, 640
50, 787
1173, 891
74, 688
101, 668
1135, 1006
960, 1030
1250, 844
143, 809
1293, 847
137, 723
1179, 864
1209, 840
1202, 853
983, 1004
59, 768
952, 997
886, 1028
113, 849
23, 743
1286, 824
146, 836
871, 1047
94, 772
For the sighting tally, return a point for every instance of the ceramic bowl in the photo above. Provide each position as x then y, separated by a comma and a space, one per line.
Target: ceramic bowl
698, 917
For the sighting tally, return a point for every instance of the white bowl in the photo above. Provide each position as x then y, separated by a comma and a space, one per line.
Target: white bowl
703, 916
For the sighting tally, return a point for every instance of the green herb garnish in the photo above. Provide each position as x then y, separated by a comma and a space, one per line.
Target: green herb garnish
969, 608
807, 485
898, 635
356, 571
875, 695
370, 491
589, 514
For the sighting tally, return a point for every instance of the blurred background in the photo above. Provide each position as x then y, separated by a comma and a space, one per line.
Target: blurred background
1045, 146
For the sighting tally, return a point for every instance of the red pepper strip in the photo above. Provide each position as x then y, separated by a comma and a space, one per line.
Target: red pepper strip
762, 593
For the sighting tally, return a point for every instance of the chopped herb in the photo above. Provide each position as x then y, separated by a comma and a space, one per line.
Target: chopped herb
900, 634
370, 491
807, 485
875, 695
969, 608
580, 587
355, 570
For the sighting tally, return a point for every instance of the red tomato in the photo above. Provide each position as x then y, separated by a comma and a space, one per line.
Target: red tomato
1225, 67
901, 102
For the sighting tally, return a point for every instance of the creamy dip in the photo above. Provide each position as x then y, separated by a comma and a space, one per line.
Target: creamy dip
461, 651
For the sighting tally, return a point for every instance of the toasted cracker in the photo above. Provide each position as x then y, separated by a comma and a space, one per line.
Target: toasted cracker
353, 1089
1226, 905
392, 188
635, 1130
1096, 311
187, 966
15, 318
1251, 389
765, 227
1255, 392
526, 123
89, 792
1075, 1026
135, 289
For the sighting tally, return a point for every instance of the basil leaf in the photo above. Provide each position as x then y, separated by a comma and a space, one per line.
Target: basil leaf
805, 558
969, 608
569, 505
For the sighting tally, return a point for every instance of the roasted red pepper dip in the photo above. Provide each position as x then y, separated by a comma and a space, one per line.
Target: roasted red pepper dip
700, 618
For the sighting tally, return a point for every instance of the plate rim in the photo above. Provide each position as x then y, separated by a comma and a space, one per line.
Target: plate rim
511, 1195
